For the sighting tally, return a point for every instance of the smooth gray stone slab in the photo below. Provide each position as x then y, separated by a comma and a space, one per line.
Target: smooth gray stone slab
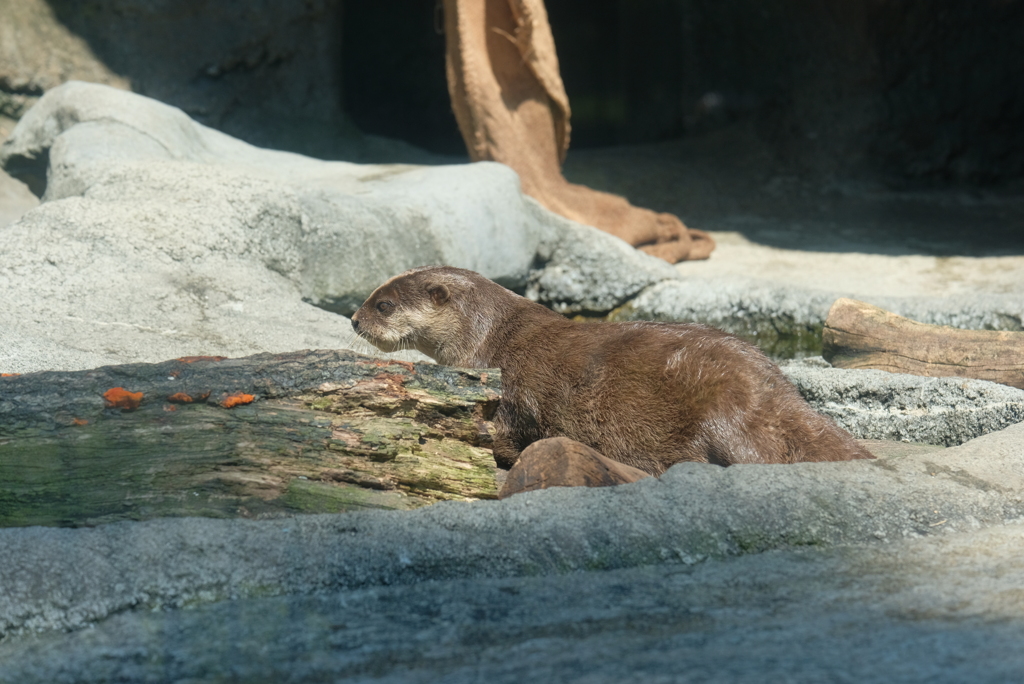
159, 237
69, 578
941, 609
873, 404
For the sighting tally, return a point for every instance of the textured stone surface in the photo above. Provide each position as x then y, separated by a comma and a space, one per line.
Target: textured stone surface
581, 270
807, 569
159, 237
788, 318
873, 404
67, 578
268, 72
39, 52
945, 608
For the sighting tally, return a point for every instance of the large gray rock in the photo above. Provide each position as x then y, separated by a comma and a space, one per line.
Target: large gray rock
582, 270
770, 309
159, 237
873, 404
804, 565
67, 578
38, 52
941, 609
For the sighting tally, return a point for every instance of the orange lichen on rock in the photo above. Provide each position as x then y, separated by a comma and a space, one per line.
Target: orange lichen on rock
180, 398
170, 407
119, 397
79, 421
9, 375
391, 383
238, 399
193, 359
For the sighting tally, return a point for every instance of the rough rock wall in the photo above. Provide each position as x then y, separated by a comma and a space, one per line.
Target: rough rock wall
253, 68
951, 76
393, 69
37, 53
918, 89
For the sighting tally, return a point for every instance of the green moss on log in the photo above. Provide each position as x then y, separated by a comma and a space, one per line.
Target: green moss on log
328, 432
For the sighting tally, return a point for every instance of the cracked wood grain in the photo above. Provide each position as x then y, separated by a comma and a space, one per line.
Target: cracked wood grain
859, 335
307, 432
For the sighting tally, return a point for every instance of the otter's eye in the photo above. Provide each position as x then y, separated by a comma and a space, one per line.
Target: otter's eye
385, 306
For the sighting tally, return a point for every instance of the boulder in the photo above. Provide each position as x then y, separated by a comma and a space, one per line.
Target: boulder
694, 513
158, 237
940, 608
269, 75
874, 404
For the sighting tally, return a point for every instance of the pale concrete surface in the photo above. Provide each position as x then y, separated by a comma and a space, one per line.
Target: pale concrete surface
863, 274
789, 245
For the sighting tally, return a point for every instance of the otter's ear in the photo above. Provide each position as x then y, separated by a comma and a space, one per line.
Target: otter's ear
438, 294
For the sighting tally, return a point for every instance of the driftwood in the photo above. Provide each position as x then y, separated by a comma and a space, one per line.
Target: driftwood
859, 335
260, 436
562, 462
511, 107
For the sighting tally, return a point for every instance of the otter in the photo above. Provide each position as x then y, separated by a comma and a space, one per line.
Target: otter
646, 394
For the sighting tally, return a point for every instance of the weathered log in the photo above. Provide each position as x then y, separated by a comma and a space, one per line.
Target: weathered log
859, 335
261, 436
562, 462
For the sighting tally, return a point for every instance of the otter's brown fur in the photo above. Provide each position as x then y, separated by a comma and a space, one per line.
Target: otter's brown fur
646, 394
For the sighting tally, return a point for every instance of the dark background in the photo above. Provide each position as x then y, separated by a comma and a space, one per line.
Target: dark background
926, 90
906, 92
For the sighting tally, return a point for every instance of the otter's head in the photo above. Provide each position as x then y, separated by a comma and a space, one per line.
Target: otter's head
426, 309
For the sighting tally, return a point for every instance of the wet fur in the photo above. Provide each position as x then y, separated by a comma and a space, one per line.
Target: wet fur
646, 394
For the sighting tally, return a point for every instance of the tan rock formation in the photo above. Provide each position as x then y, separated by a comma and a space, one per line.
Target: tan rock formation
511, 107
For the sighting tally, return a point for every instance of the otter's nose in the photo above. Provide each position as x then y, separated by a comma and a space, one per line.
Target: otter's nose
355, 323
